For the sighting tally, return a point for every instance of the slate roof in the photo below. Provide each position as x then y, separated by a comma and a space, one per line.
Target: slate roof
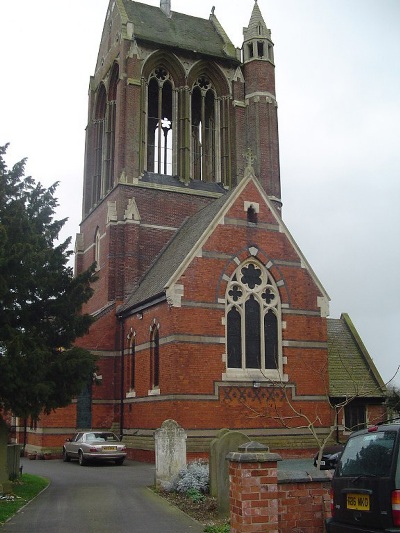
154, 281
351, 369
181, 31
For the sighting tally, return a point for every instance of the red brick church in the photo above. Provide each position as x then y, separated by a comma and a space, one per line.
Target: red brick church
207, 311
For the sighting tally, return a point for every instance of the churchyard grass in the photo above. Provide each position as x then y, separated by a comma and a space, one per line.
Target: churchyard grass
23, 491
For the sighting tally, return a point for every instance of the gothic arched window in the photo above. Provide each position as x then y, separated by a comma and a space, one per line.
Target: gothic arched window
110, 131
160, 123
99, 121
253, 322
204, 151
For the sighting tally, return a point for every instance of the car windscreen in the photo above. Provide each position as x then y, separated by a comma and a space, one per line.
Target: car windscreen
368, 454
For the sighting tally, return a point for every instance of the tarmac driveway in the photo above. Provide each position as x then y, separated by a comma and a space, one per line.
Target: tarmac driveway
97, 499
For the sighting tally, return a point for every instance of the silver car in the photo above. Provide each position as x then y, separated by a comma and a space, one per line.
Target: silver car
94, 446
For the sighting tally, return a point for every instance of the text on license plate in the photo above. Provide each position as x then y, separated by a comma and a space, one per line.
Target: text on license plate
109, 448
358, 502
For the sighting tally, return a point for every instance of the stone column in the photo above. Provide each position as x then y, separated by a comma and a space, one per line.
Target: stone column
253, 489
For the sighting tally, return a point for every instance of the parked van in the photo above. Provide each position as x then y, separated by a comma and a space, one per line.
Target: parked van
366, 484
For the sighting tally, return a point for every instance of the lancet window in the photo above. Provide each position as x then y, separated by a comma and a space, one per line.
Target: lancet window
99, 126
203, 130
160, 122
154, 357
109, 155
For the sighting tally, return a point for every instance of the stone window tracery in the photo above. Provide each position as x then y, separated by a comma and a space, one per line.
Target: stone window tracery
253, 321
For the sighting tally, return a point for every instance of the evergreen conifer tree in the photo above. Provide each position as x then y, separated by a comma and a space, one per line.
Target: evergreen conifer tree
40, 301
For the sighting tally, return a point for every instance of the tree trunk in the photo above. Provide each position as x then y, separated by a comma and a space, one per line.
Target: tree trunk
5, 483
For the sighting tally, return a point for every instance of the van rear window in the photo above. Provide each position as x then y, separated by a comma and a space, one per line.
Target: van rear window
369, 454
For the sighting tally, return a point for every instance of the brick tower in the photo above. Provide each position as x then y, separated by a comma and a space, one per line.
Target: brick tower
261, 106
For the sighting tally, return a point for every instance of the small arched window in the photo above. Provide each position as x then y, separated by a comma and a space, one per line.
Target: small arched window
154, 357
97, 248
132, 374
252, 215
253, 321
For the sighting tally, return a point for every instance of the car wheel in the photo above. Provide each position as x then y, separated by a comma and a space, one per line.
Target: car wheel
66, 457
81, 459
119, 462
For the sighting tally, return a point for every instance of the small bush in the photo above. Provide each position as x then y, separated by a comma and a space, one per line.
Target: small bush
195, 495
194, 478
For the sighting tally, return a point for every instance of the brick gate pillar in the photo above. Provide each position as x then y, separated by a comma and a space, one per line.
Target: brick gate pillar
253, 477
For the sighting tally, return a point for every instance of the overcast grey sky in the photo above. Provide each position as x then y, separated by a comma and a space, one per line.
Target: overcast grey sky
338, 90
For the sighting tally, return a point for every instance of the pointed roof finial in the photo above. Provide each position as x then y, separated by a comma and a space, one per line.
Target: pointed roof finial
257, 27
165, 6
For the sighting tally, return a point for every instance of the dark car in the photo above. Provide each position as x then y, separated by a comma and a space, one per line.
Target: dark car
94, 446
366, 483
329, 458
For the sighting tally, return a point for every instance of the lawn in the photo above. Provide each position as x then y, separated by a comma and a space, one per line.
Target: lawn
23, 491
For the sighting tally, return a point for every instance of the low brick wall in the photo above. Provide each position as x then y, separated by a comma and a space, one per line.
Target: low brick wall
303, 505
263, 499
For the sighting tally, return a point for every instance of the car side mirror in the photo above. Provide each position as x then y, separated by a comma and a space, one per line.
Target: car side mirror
68, 440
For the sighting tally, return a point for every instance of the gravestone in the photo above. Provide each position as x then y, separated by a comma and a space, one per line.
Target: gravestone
170, 448
225, 442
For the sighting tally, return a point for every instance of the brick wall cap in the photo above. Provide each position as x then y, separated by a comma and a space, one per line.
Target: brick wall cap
253, 457
322, 476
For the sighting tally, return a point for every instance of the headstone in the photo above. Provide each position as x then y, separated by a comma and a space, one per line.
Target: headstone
225, 442
170, 448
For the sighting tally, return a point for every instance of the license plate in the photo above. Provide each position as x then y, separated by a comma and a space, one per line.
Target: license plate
358, 502
109, 448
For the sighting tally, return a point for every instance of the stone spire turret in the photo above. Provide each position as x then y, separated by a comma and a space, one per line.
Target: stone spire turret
257, 38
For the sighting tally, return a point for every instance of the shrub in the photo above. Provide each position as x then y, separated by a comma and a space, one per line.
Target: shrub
194, 478
195, 495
